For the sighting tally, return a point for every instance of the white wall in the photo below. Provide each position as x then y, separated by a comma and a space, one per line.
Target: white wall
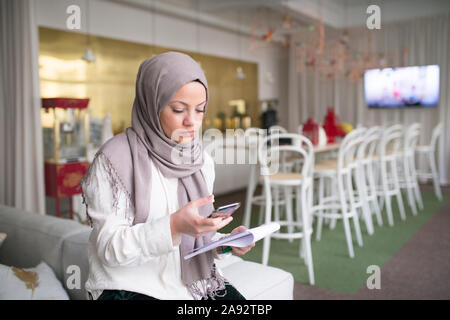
348, 13
118, 21
397, 10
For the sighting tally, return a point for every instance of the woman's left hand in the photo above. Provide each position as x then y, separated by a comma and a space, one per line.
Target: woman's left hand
241, 250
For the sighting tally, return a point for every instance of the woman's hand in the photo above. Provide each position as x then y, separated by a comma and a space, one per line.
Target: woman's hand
240, 250
188, 221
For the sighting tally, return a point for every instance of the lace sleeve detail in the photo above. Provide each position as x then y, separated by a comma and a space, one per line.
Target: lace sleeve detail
102, 187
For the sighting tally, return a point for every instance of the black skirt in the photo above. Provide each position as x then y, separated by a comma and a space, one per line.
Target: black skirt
229, 293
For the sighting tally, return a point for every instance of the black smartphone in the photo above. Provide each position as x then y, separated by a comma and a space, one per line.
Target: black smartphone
225, 211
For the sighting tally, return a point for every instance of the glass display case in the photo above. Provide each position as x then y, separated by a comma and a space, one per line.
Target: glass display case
65, 123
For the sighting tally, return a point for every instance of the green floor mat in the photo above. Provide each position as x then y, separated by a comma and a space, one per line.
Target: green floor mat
333, 268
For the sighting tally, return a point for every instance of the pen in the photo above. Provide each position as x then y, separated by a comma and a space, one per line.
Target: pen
227, 249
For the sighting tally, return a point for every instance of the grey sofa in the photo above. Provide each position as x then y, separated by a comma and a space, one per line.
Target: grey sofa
32, 238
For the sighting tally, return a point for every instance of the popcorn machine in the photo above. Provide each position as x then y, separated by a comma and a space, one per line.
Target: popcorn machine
65, 124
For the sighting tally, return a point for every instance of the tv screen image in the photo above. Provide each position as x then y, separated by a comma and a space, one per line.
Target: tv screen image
416, 86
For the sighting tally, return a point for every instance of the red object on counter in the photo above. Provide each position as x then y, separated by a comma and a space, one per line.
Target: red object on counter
65, 103
62, 180
332, 126
311, 131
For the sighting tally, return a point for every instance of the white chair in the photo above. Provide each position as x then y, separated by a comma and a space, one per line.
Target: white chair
389, 151
325, 170
285, 166
276, 129
429, 152
255, 137
300, 226
366, 176
341, 203
408, 178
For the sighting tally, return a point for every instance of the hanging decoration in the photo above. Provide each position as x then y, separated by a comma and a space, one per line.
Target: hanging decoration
327, 54
266, 37
333, 55
286, 22
299, 52
321, 42
254, 41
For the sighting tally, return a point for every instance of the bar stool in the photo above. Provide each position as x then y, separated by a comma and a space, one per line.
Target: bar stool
389, 151
276, 129
341, 204
253, 137
429, 151
302, 183
325, 171
366, 177
408, 177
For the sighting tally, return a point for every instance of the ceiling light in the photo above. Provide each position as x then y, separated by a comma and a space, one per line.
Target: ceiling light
89, 55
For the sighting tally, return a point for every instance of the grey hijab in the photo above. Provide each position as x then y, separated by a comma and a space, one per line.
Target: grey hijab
158, 79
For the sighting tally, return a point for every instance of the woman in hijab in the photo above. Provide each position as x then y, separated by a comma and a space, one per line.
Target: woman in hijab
148, 194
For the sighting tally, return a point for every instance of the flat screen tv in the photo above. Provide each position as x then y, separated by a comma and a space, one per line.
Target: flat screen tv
402, 87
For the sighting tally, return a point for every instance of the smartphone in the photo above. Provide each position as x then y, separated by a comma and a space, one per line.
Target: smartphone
225, 211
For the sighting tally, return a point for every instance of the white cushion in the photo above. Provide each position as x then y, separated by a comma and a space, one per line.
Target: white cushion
39, 283
265, 282
227, 260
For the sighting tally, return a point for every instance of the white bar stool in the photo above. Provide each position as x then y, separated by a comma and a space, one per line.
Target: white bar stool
366, 177
429, 152
408, 180
325, 171
253, 137
341, 204
389, 151
300, 226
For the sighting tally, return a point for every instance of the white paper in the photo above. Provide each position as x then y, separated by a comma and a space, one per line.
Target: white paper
240, 239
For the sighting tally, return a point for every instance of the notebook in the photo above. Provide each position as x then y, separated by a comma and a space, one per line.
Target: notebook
240, 239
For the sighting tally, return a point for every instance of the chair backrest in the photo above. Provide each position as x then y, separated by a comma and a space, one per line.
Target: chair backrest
270, 150
254, 136
254, 131
368, 146
348, 147
391, 140
437, 133
277, 129
352, 135
412, 134
347, 156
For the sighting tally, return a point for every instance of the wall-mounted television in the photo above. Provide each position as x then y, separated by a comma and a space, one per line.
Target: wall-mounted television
402, 87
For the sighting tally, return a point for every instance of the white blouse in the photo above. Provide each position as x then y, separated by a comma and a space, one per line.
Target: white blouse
140, 258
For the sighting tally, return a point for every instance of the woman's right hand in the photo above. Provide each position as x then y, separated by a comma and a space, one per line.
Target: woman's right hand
188, 221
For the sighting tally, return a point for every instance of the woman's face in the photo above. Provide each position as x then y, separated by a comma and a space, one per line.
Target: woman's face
183, 115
